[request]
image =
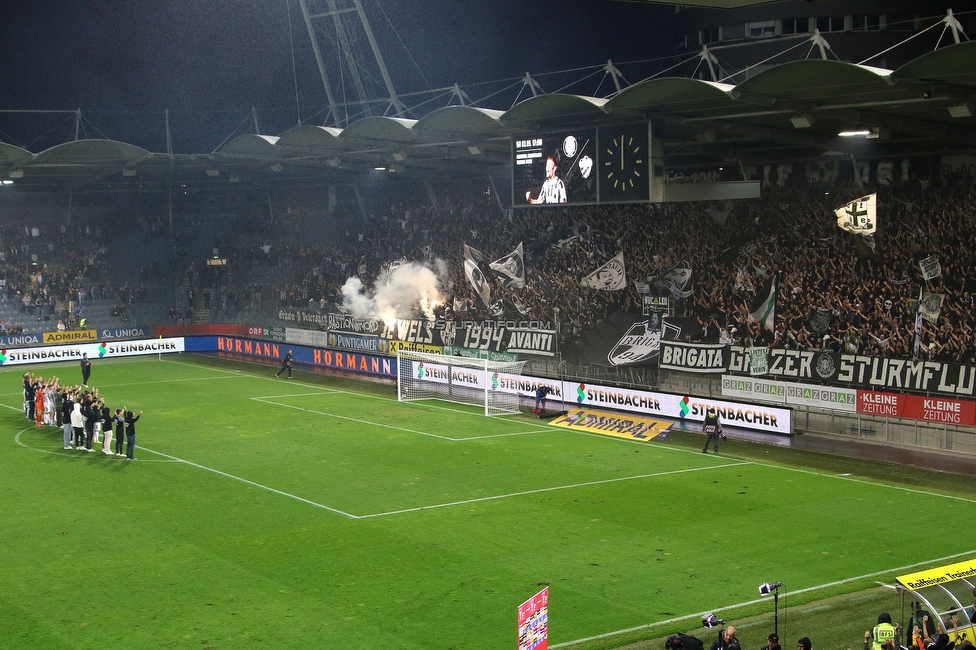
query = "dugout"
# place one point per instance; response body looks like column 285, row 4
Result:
column 942, row 591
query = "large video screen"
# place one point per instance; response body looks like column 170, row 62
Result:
column 554, row 168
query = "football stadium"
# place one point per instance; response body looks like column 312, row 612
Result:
column 686, row 361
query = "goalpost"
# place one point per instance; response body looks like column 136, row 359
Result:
column 463, row 380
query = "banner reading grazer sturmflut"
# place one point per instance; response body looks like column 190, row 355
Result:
column 533, row 622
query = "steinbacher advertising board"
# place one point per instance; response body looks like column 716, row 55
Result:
column 663, row 405
column 107, row 350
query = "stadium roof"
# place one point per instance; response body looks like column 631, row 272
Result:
column 786, row 113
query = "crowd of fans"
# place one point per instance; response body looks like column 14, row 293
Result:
column 835, row 292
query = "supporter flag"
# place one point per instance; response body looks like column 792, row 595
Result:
column 497, row 308
column 474, row 275
column 677, row 280
column 931, row 268
column 763, row 308
column 860, row 216
column 720, row 214
column 916, row 348
column 819, row 320
column 511, row 268
column 519, row 306
column 612, row 276
column 931, row 306
column 362, row 269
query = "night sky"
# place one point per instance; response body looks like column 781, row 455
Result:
column 124, row 62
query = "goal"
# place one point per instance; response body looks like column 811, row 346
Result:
column 463, row 380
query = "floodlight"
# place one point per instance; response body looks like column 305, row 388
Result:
column 802, row 121
column 962, row 110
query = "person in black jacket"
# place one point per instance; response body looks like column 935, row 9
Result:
column 89, row 410
column 85, row 369
column 712, row 428
column 285, row 365
column 130, row 434
column 119, row 421
column 106, row 419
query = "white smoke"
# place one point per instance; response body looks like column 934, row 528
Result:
column 408, row 289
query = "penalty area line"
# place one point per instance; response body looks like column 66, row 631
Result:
column 266, row 400
column 547, row 489
column 253, row 483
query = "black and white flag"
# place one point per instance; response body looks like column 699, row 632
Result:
column 511, row 268
column 676, row 280
column 612, row 276
column 763, row 308
column 860, row 216
column 475, row 276
column 931, row 306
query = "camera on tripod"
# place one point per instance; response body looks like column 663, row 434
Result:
column 710, row 620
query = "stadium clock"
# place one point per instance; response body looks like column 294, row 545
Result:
column 624, row 164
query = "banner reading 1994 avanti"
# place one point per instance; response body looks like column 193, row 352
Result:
column 52, row 353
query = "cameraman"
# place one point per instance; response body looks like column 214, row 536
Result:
column 726, row 640
column 712, row 428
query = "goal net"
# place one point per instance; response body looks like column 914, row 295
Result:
column 479, row 382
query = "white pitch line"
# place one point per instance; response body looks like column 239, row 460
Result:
column 549, row 489
column 266, row 400
column 894, row 570
column 252, row 483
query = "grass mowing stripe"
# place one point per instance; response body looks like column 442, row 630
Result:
column 550, row 489
column 828, row 585
column 252, row 483
column 266, row 400
column 848, row 477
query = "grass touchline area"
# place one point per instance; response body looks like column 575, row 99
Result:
column 353, row 520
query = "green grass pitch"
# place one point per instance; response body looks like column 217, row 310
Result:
column 322, row 513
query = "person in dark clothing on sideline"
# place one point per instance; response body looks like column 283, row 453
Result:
column 119, row 421
column 712, row 428
column 130, row 434
column 285, row 365
column 85, row 369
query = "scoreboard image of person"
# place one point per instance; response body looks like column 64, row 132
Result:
column 553, row 168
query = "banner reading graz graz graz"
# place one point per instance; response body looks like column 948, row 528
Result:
column 859, row 371
column 517, row 337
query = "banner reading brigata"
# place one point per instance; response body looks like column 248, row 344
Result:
column 819, row 366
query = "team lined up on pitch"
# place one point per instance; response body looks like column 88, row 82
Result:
column 82, row 415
